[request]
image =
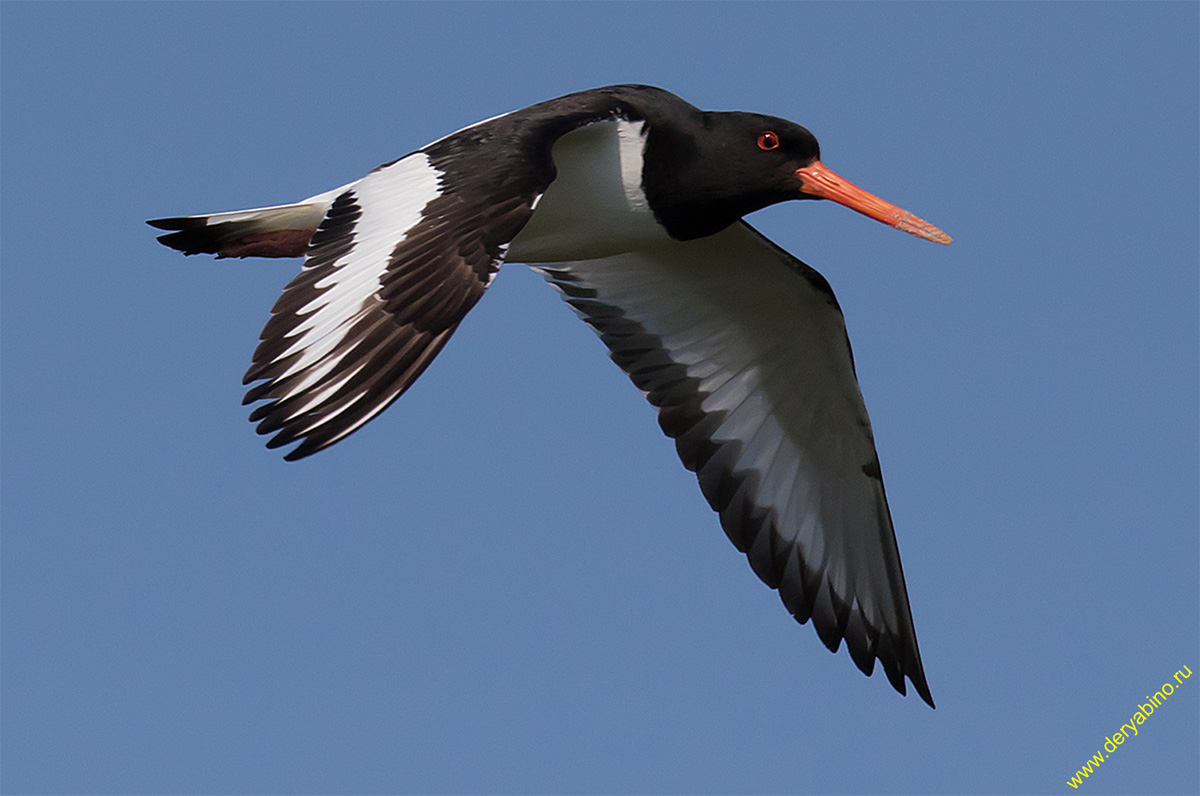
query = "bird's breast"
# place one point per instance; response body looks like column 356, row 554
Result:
column 595, row 207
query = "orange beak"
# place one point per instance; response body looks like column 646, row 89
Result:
column 818, row 181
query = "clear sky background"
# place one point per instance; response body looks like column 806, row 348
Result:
column 508, row 583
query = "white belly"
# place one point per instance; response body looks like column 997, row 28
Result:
column 595, row 207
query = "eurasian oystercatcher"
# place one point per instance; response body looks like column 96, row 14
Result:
column 629, row 201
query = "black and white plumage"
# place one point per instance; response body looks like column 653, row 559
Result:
column 629, row 201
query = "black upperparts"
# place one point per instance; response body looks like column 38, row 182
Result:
column 702, row 171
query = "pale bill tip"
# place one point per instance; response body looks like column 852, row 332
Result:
column 922, row 229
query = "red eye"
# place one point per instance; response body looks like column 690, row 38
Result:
column 768, row 140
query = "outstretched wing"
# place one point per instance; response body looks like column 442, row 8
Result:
column 743, row 349
column 398, row 260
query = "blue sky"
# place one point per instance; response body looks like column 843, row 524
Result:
column 507, row 582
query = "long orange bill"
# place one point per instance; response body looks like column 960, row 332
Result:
column 818, row 181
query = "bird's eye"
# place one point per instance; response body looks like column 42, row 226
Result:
column 768, row 140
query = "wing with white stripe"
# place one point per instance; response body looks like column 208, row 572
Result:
column 396, row 263
column 743, row 349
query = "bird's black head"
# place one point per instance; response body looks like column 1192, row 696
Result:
column 705, row 170
column 702, row 176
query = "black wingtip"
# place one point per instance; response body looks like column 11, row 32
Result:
column 922, row 687
column 307, row 447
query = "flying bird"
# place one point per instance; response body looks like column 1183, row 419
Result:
column 629, row 201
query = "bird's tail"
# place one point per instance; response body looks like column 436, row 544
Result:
column 278, row 231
